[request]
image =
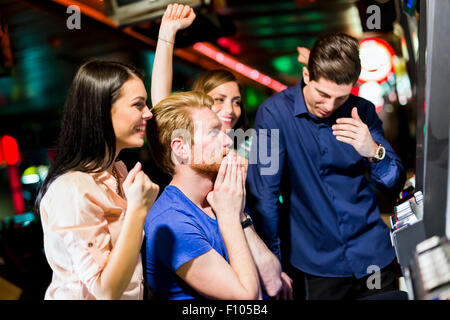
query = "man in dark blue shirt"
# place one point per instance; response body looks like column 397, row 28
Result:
column 327, row 142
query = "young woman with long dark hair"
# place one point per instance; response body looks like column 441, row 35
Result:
column 92, row 210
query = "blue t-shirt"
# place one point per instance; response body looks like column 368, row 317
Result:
column 177, row 231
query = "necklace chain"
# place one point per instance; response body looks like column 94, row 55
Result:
column 116, row 176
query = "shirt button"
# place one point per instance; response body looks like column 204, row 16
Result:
column 90, row 244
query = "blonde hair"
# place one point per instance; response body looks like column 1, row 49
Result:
column 172, row 116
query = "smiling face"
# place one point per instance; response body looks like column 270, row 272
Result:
column 129, row 114
column 227, row 103
column 211, row 143
column 323, row 97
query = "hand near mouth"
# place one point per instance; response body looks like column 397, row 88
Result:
column 228, row 196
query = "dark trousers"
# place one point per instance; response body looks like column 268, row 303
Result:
column 311, row 287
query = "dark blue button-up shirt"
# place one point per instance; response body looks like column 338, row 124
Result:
column 334, row 223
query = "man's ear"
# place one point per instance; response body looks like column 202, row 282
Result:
column 305, row 75
column 180, row 150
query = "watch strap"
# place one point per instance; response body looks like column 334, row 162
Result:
column 247, row 222
column 377, row 158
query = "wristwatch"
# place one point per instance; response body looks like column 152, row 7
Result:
column 380, row 153
column 247, row 222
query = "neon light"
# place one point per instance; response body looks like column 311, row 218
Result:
column 31, row 175
column 10, row 150
column 229, row 62
column 16, row 190
column 232, row 46
column 31, row 179
column 376, row 60
column 1, row 155
column 373, row 92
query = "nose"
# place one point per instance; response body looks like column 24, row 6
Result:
column 227, row 142
column 227, row 107
column 147, row 114
column 329, row 105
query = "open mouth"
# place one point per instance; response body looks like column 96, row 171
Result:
column 140, row 129
column 226, row 120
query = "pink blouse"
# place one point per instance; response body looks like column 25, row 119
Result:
column 82, row 217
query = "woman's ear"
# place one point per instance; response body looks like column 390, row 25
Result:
column 305, row 75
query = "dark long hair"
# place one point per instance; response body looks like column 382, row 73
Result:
column 87, row 141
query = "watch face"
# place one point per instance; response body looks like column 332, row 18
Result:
column 380, row 152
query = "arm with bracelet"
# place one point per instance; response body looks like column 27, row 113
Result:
column 176, row 17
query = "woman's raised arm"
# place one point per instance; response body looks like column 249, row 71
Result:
column 176, row 17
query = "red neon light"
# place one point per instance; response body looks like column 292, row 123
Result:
column 17, row 195
column 1, row 155
column 355, row 91
column 232, row 46
column 382, row 42
column 390, row 51
column 10, row 150
column 9, row 153
column 224, row 59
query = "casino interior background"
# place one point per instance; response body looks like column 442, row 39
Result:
column 257, row 40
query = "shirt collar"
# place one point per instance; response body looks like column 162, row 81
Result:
column 300, row 106
column 299, row 101
column 107, row 177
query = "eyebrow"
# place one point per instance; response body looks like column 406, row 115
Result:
column 139, row 98
column 222, row 95
column 329, row 95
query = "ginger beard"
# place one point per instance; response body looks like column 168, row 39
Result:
column 209, row 170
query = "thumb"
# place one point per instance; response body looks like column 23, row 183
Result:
column 133, row 172
column 355, row 114
column 210, row 197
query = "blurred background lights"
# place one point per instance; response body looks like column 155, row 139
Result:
column 373, row 92
column 33, row 174
column 376, row 60
column 30, row 176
